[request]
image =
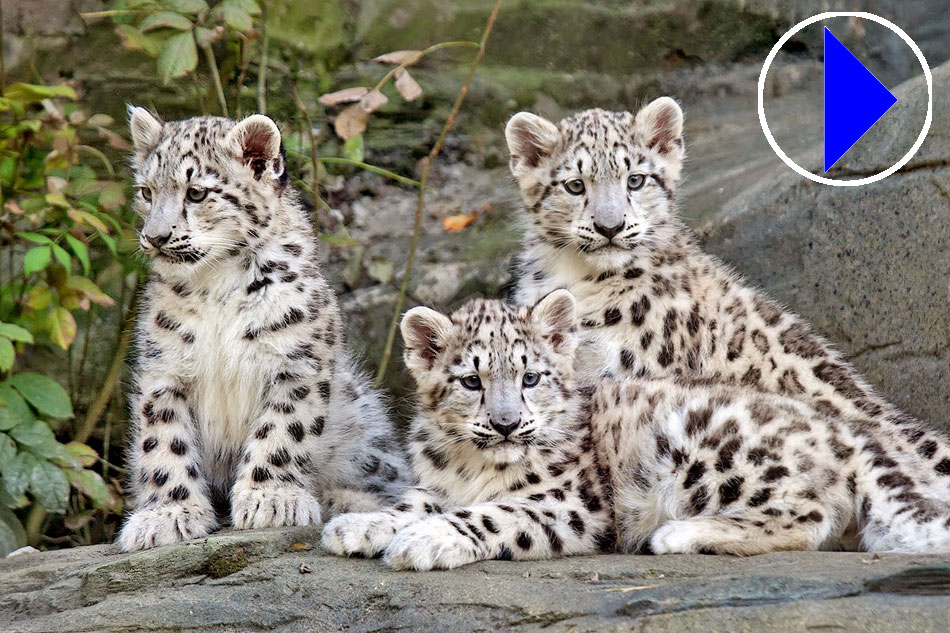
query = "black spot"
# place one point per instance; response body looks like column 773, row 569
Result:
column 760, row 497
column 324, row 389
column 533, row 478
column 557, row 546
column 280, row 459
column 576, row 523
column 149, row 444
column 296, row 431
column 179, row 493
column 612, row 316
column 524, row 541
column 300, row 392
column 812, row 517
column 263, row 431
column 638, row 311
column 504, row 553
column 730, row 490
column 160, row 478
column 489, row 524
column 316, row 427
column 178, row 446
column 774, row 473
column 699, row 499
column 627, row 358
column 697, row 420
column 257, row 284
column 943, row 467
column 694, row 474
column 261, row 474
column 927, row 449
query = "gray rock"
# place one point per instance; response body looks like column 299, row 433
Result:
column 869, row 267
column 278, row 580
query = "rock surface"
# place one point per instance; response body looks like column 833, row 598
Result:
column 277, row 580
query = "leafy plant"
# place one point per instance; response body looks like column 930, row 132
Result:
column 57, row 216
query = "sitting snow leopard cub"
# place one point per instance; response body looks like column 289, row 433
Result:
column 243, row 393
column 500, row 446
column 515, row 462
column 600, row 220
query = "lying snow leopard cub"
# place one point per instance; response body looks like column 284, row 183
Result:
column 243, row 391
column 516, row 463
column 600, row 220
column 500, row 445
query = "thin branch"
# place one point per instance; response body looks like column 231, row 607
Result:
column 314, row 150
column 262, row 71
column 421, row 200
column 216, row 77
column 435, row 47
column 245, row 62
column 337, row 160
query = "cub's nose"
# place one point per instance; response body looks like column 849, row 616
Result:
column 505, row 426
column 608, row 231
column 158, row 241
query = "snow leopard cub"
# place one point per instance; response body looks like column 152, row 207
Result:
column 243, row 393
column 515, row 462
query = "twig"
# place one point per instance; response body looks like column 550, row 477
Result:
column 421, row 200
column 314, row 150
column 216, row 77
column 98, row 406
column 245, row 62
column 262, row 71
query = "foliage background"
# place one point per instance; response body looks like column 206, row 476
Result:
column 69, row 271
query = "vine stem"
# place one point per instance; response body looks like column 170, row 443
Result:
column 218, row 87
column 421, row 200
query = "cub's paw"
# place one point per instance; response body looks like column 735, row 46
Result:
column 429, row 544
column 678, row 537
column 362, row 534
column 273, row 507
column 151, row 527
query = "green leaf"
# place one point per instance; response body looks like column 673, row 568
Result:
column 80, row 250
column 353, row 148
column 7, row 449
column 86, row 455
column 7, row 355
column 186, row 6
column 17, row 473
column 45, row 394
column 63, row 258
column 165, row 20
column 36, row 238
column 110, row 243
column 15, row 403
column 134, row 40
column 179, row 56
column 39, row 439
column 62, row 326
column 50, row 487
column 91, row 484
column 8, row 419
column 32, row 93
column 36, row 259
column 250, row 6
column 12, row 534
column 234, row 16
column 15, row 333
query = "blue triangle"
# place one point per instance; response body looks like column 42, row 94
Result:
column 854, row 100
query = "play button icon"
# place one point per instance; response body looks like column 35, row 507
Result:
column 854, row 99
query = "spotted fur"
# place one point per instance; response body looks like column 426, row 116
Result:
column 243, row 394
column 600, row 220
column 505, row 465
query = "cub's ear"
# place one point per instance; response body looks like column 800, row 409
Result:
column 424, row 333
column 256, row 142
column 146, row 128
column 660, row 125
column 530, row 139
column 557, row 315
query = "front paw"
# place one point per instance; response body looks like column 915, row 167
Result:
column 273, row 507
column 359, row 534
column 429, row 544
column 151, row 527
column 676, row 537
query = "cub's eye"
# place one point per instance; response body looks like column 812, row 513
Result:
column 472, row 381
column 636, row 181
column 146, row 193
column 575, row 187
column 530, row 379
column 196, row 194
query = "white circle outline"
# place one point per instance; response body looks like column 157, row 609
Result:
column 860, row 181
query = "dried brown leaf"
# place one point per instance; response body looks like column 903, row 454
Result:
column 455, row 223
column 404, row 58
column 407, row 86
column 373, row 101
column 351, row 121
column 347, row 95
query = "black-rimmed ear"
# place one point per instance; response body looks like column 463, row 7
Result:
column 556, row 313
column 424, row 333
column 145, row 127
column 530, row 139
column 256, row 141
column 660, row 125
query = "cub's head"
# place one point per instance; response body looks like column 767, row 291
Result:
column 494, row 377
column 206, row 186
column 600, row 183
